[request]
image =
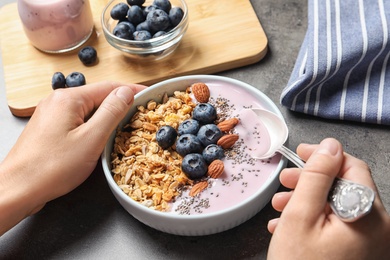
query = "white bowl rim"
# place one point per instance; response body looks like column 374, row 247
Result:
column 205, row 216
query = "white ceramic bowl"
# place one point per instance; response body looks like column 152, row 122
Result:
column 207, row 223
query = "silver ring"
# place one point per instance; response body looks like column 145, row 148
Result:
column 350, row 201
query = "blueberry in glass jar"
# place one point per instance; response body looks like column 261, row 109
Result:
column 58, row 80
column 209, row 134
column 142, row 35
column 119, row 11
column 149, row 8
column 142, row 26
column 166, row 136
column 213, row 152
column 135, row 15
column 194, row 166
column 164, row 5
column 176, row 15
column 158, row 34
column 123, row 31
column 136, row 2
column 205, row 113
column 188, row 126
column 158, row 20
column 131, row 26
column 188, row 143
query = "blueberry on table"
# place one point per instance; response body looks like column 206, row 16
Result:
column 176, row 15
column 213, row 152
column 204, row 113
column 166, row 136
column 188, row 143
column 163, row 5
column 209, row 134
column 135, row 15
column 87, row 55
column 194, row 166
column 136, row 2
column 188, row 126
column 58, row 80
column 75, row 79
column 158, row 20
column 119, row 11
column 123, row 31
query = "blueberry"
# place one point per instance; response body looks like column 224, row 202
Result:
column 87, row 55
column 123, row 31
column 158, row 20
column 194, row 166
column 135, row 15
column 163, row 5
column 75, row 79
column 142, row 35
column 166, row 136
column 176, row 15
column 131, row 26
column 142, row 26
column 149, row 8
column 159, row 33
column 212, row 152
column 189, row 126
column 209, row 134
column 205, row 113
column 119, row 11
column 188, row 143
column 58, row 80
column 136, row 2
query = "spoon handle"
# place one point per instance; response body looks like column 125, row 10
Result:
column 291, row 156
column 348, row 200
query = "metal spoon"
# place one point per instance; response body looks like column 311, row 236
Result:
column 348, row 200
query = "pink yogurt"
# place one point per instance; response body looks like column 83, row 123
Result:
column 56, row 25
column 243, row 175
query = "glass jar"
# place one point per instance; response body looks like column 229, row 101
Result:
column 56, row 26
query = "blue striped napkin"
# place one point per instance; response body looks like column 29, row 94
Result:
column 343, row 69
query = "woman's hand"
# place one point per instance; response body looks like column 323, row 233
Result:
column 60, row 146
column 307, row 228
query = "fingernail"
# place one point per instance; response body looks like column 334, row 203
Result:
column 126, row 94
column 328, row 146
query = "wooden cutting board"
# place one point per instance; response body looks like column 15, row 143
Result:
column 222, row 35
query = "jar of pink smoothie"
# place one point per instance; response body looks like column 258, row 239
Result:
column 56, row 26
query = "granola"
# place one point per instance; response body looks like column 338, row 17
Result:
column 147, row 173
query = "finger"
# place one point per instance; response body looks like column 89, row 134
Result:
column 110, row 113
column 272, row 225
column 97, row 92
column 280, row 200
column 357, row 171
column 289, row 177
column 306, row 150
column 310, row 195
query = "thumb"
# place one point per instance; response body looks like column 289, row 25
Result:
column 111, row 111
column 317, row 176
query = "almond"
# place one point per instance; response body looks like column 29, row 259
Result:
column 215, row 169
column 201, row 92
column 228, row 124
column 198, row 188
column 227, row 141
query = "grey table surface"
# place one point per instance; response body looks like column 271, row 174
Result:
column 88, row 223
